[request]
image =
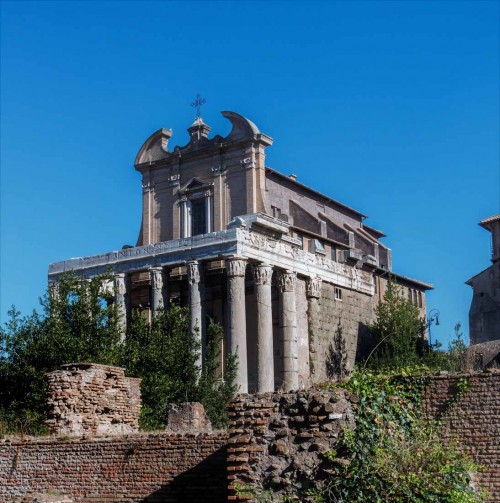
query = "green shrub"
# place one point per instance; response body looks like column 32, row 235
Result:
column 394, row 455
column 78, row 323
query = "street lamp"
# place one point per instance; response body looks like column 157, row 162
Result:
column 433, row 317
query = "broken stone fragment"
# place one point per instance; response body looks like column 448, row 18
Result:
column 279, row 447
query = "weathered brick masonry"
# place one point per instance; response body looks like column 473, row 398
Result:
column 132, row 469
column 92, row 399
column 276, row 439
column 471, row 417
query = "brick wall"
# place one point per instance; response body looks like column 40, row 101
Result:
column 132, row 469
column 92, row 399
column 472, row 418
column 276, row 440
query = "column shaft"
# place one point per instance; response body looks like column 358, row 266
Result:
column 237, row 336
column 290, row 348
column 265, row 354
column 313, row 292
column 121, row 302
column 159, row 289
column 196, row 324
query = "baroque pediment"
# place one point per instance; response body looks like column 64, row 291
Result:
column 155, row 148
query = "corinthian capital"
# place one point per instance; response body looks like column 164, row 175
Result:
column 119, row 284
column 236, row 266
column 287, row 281
column 193, row 272
column 156, row 274
column 262, row 274
column 313, row 287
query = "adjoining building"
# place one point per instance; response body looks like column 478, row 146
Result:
column 282, row 266
column 484, row 313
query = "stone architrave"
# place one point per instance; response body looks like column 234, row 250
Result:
column 121, row 301
column 237, row 337
column 287, row 282
column 159, row 289
column 195, row 291
column 262, row 274
column 313, row 293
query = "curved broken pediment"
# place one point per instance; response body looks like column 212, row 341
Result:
column 155, row 147
column 242, row 127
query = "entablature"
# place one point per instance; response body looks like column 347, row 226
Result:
column 257, row 237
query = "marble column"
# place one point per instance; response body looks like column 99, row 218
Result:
column 120, row 285
column 195, row 292
column 159, row 289
column 288, row 316
column 236, row 323
column 262, row 274
column 313, row 293
column 54, row 291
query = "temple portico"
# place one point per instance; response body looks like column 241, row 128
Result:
column 249, row 255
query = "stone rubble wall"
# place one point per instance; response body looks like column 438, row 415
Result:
column 277, row 440
column 471, row 418
column 139, row 468
column 93, row 400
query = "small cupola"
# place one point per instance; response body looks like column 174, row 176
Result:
column 198, row 130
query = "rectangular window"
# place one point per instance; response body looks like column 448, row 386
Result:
column 333, row 254
column 338, row 294
column 198, row 217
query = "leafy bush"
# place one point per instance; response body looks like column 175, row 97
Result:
column 164, row 355
column 75, row 325
column 395, row 456
column 78, row 323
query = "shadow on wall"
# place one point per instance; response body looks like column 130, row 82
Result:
column 206, row 482
column 365, row 344
column 338, row 359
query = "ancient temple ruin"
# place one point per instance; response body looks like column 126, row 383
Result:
column 282, row 266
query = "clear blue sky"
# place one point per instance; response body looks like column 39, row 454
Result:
column 389, row 107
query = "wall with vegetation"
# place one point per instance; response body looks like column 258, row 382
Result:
column 468, row 407
column 286, row 442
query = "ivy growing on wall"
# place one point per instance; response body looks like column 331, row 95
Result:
column 393, row 455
